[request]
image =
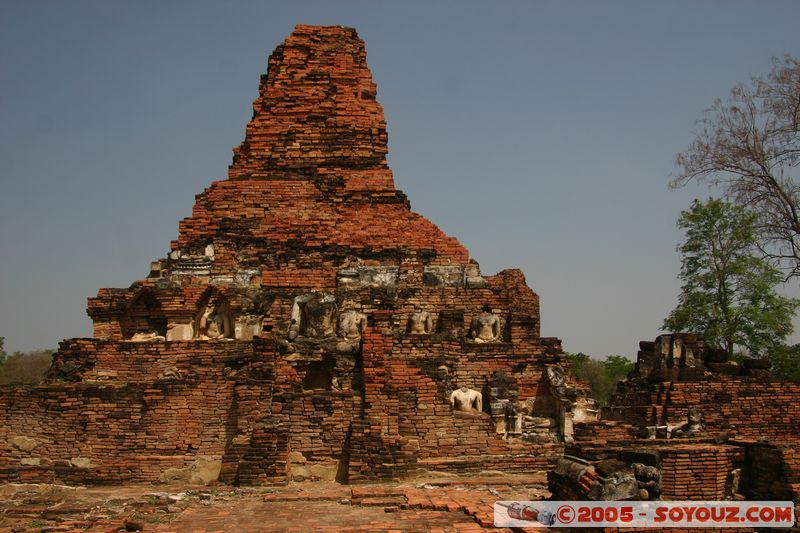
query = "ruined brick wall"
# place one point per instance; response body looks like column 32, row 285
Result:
column 750, row 408
column 773, row 473
column 131, row 432
column 688, row 470
column 415, row 402
column 317, row 421
column 133, row 410
column 407, row 386
column 730, row 403
column 677, row 372
column 602, row 431
column 697, row 472
column 104, row 360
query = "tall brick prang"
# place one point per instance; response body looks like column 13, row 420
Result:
column 317, row 115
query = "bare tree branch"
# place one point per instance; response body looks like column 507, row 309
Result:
column 749, row 145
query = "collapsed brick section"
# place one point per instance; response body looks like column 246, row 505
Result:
column 306, row 324
column 699, row 470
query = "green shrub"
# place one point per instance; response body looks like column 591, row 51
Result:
column 26, row 368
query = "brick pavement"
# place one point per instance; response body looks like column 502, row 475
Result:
column 454, row 504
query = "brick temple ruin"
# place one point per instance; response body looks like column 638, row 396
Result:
column 307, row 325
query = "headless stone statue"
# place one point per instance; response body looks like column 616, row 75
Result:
column 212, row 324
column 216, row 326
column 420, row 323
column 485, row 327
column 694, row 427
column 512, row 420
column 555, row 375
column 732, row 483
column 466, row 400
column 352, row 325
column 649, row 479
column 313, row 316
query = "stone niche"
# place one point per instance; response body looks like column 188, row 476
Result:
column 248, row 327
column 144, row 319
column 540, row 418
column 180, row 331
column 451, row 323
column 506, row 410
column 319, row 375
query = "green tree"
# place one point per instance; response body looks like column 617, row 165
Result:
column 618, row 366
column 25, row 368
column 2, row 350
column 728, row 295
column 602, row 375
column 786, row 362
column 577, row 359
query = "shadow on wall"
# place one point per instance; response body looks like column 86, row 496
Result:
column 144, row 316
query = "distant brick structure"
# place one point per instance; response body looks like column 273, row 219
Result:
column 688, row 423
column 678, row 373
column 306, row 324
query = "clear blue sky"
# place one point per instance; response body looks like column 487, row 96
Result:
column 541, row 134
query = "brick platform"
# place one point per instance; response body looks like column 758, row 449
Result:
column 454, row 504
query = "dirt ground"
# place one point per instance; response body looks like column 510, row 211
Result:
column 452, row 504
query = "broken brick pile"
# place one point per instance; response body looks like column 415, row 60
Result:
column 231, row 360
